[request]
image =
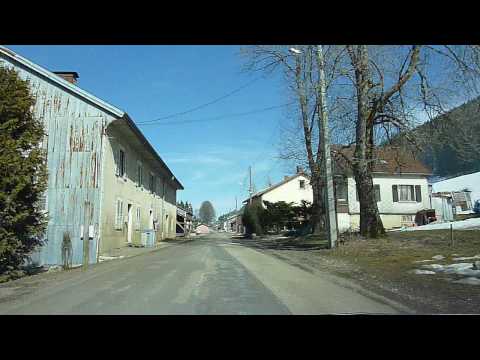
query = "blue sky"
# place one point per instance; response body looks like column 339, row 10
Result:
column 210, row 158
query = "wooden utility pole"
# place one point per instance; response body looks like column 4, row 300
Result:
column 324, row 133
column 250, row 186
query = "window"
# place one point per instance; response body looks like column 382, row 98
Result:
column 152, row 183
column 121, row 166
column 341, row 191
column 406, row 193
column 407, row 220
column 140, row 173
column 138, row 217
column 119, row 215
column 302, row 184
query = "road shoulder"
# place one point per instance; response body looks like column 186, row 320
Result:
column 309, row 291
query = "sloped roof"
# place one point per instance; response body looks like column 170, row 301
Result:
column 116, row 112
column 284, row 181
column 61, row 82
column 388, row 160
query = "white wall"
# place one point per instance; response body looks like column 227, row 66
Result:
column 386, row 205
column 291, row 192
column 470, row 181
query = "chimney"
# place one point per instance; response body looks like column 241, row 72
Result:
column 70, row 76
column 299, row 170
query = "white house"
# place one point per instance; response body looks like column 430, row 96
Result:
column 400, row 185
column 291, row 189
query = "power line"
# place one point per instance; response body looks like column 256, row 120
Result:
column 220, row 117
column 203, row 105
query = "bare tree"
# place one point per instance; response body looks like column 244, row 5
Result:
column 300, row 70
column 374, row 94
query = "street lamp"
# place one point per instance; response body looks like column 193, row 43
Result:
column 324, row 133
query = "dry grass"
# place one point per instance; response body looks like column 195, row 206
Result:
column 389, row 260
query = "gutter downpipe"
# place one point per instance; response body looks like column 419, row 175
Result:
column 102, row 157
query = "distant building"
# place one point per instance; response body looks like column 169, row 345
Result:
column 293, row 189
column 202, row 229
column 234, row 223
column 102, row 171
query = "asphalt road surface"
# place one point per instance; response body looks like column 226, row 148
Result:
column 209, row 275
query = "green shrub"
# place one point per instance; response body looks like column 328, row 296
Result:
column 23, row 177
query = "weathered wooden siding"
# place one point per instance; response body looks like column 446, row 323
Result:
column 74, row 128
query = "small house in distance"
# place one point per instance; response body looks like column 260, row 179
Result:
column 292, row 189
column 202, row 229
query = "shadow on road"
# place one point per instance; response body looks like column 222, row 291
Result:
column 290, row 243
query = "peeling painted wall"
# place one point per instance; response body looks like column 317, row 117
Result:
column 73, row 143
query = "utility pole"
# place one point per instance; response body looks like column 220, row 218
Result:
column 324, row 131
column 236, row 203
column 250, row 186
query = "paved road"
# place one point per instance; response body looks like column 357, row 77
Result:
column 209, row 275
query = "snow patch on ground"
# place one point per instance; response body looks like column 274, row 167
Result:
column 469, row 281
column 108, row 258
column 456, row 225
column 465, row 269
column 423, row 272
column 466, row 258
column 438, row 257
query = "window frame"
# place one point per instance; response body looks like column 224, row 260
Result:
column 411, row 193
column 300, row 182
column 152, row 182
column 118, row 225
column 121, row 165
column 139, row 174
column 138, row 217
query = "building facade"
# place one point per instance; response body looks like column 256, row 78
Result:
column 103, row 175
column 400, row 185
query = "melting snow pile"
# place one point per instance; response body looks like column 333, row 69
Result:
column 466, row 269
column 107, row 258
column 457, row 225
column 470, row 270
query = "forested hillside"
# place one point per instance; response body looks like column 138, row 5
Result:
column 451, row 142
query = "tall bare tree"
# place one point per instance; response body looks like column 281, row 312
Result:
column 299, row 67
column 374, row 94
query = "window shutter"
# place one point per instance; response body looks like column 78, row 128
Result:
column 418, row 193
column 412, row 193
column 116, row 156
column 395, row 193
column 125, row 159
